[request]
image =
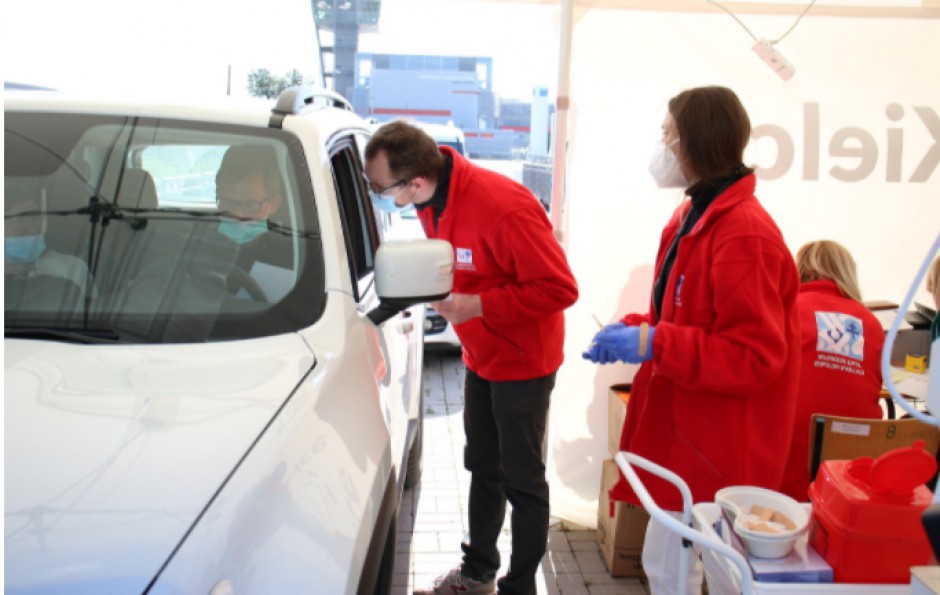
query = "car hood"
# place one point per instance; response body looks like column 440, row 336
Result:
column 112, row 452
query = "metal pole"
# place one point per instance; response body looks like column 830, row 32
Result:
column 562, row 103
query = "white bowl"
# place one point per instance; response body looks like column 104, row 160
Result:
column 737, row 502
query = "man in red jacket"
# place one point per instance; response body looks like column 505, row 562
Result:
column 512, row 284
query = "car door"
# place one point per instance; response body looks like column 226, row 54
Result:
column 394, row 227
column 393, row 344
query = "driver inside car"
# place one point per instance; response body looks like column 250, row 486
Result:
column 249, row 193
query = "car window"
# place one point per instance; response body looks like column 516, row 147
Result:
column 383, row 220
column 359, row 222
column 140, row 246
column 184, row 174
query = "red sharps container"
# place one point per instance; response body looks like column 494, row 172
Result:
column 866, row 519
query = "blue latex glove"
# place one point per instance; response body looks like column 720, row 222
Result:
column 598, row 353
column 621, row 343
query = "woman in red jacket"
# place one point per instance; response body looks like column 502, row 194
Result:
column 714, row 397
column 841, row 343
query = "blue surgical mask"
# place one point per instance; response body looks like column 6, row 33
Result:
column 23, row 249
column 242, row 232
column 386, row 202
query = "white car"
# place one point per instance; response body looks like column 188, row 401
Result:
column 176, row 422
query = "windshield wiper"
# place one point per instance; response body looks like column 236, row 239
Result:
column 286, row 230
column 100, row 210
column 104, row 211
column 72, row 335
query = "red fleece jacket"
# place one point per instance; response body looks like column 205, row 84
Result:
column 840, row 372
column 506, row 253
column 715, row 404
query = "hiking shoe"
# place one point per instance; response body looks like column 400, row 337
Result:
column 455, row 583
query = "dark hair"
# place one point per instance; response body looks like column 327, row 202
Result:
column 713, row 130
column 411, row 152
column 241, row 161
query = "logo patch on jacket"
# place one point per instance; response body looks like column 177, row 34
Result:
column 678, row 298
column 840, row 334
column 465, row 259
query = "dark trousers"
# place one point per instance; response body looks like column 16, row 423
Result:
column 505, row 427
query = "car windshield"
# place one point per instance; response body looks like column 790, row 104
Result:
column 129, row 229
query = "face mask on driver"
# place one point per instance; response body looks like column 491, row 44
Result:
column 665, row 168
column 242, row 232
column 386, row 202
column 23, row 249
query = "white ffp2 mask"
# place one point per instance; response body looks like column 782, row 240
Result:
column 665, row 168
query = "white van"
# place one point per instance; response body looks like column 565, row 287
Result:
column 443, row 134
column 447, row 135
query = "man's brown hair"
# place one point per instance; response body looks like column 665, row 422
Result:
column 411, row 152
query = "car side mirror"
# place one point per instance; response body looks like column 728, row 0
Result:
column 409, row 272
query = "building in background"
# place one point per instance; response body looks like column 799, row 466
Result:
column 435, row 89
column 513, row 120
column 337, row 24
column 453, row 90
column 541, row 114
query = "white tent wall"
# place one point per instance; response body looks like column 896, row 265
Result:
column 859, row 119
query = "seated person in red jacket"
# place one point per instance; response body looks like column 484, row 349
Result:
column 841, row 343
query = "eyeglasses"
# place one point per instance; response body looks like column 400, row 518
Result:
column 250, row 207
column 378, row 190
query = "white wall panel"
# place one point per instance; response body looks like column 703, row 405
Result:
column 870, row 82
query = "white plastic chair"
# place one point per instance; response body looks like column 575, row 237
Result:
column 626, row 461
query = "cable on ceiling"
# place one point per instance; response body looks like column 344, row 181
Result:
column 754, row 37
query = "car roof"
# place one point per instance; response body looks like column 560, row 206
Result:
column 248, row 111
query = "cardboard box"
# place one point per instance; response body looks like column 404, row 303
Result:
column 617, row 398
column 925, row 580
column 621, row 536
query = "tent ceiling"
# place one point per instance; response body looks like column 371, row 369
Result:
column 925, row 9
